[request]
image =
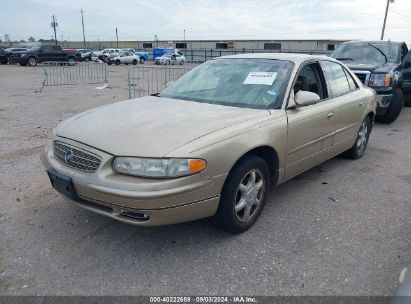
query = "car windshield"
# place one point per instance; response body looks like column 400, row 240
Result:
column 34, row 48
column 250, row 83
column 367, row 53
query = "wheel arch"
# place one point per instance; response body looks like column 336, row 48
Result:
column 371, row 115
column 269, row 155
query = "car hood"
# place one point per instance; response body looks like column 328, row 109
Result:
column 152, row 126
column 373, row 68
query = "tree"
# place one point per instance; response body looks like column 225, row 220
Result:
column 31, row 39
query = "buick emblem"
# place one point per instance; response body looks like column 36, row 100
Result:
column 69, row 156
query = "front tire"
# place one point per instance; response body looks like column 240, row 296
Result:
column 117, row 62
column 394, row 108
column 243, row 196
column 358, row 149
column 134, row 61
column 32, row 61
column 142, row 60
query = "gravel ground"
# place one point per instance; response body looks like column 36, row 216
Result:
column 342, row 228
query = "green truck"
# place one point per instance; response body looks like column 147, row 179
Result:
column 384, row 66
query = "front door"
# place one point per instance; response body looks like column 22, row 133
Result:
column 310, row 128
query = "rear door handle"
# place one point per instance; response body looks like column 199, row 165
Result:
column 330, row 115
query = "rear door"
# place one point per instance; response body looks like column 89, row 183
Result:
column 58, row 54
column 350, row 103
column 406, row 74
column 310, row 128
column 45, row 53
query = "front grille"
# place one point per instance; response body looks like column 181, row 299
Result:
column 363, row 77
column 76, row 158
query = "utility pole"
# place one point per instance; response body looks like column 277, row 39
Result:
column 117, row 37
column 82, row 23
column 385, row 18
column 54, row 25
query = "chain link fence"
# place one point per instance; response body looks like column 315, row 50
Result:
column 59, row 73
column 148, row 80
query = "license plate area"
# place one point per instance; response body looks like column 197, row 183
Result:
column 62, row 184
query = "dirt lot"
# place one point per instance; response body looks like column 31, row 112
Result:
column 342, row 228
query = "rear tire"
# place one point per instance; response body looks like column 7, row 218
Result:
column 71, row 61
column 134, row 61
column 358, row 149
column 394, row 108
column 142, row 60
column 243, row 196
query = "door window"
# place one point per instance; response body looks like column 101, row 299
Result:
column 336, row 79
column 309, row 79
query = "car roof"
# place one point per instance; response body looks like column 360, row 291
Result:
column 294, row 57
column 372, row 41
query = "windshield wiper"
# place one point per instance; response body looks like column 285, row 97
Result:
column 385, row 56
column 345, row 58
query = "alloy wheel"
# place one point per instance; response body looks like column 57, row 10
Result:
column 362, row 137
column 249, row 195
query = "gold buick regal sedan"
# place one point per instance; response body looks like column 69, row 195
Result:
column 213, row 143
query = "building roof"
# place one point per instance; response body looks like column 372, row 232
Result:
column 279, row 56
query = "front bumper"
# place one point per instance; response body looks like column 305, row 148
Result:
column 383, row 103
column 139, row 201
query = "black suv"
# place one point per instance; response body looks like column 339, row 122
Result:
column 43, row 53
column 383, row 66
column 3, row 56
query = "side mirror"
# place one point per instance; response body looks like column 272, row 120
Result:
column 306, row 98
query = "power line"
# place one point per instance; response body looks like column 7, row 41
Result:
column 401, row 14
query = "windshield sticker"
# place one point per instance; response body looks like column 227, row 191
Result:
column 272, row 93
column 265, row 78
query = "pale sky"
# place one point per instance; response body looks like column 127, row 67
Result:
column 207, row 19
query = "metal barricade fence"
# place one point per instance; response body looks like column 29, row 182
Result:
column 149, row 80
column 59, row 73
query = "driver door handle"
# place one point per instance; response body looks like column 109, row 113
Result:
column 361, row 104
column 330, row 115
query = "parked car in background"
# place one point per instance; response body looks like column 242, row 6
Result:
column 168, row 59
column 84, row 54
column 142, row 54
column 381, row 66
column 38, row 54
column 109, row 53
column 125, row 57
column 3, row 56
column 260, row 119
column 11, row 51
column 158, row 52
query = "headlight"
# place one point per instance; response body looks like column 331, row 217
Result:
column 380, row 80
column 158, row 167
